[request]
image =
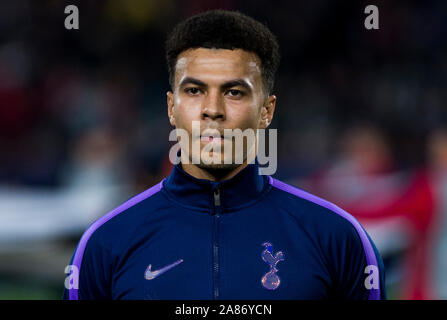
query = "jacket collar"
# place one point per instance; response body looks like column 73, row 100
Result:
column 242, row 190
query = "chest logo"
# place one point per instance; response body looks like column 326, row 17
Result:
column 149, row 274
column 271, row 280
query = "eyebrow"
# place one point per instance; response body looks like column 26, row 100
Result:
column 226, row 85
column 236, row 83
column 190, row 80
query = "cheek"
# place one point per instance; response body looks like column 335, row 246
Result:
column 245, row 117
column 186, row 111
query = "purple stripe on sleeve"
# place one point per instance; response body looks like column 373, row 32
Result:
column 77, row 260
column 369, row 251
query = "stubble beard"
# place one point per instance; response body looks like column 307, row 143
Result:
column 218, row 166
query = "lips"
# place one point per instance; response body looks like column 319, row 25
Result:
column 211, row 135
column 211, row 139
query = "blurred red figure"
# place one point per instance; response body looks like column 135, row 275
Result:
column 397, row 208
column 437, row 160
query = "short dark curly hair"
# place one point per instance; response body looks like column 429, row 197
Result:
column 222, row 29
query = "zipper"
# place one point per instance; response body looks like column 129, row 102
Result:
column 216, row 242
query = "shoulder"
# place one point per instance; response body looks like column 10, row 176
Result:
column 341, row 236
column 120, row 223
column 321, row 218
column 309, row 207
column 111, row 231
column 129, row 212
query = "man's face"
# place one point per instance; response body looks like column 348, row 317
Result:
column 219, row 89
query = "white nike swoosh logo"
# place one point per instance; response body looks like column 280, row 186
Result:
column 149, row 274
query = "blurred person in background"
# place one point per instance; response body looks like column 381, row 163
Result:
column 437, row 160
column 396, row 206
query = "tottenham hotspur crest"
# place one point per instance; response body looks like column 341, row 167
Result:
column 271, row 280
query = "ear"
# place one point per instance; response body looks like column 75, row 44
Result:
column 170, row 103
column 267, row 112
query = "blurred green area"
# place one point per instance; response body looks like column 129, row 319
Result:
column 28, row 289
column 36, row 273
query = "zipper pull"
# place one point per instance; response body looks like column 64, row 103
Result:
column 217, row 196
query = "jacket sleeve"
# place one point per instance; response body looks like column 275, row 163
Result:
column 90, row 271
column 355, row 278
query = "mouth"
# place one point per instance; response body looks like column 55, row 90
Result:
column 211, row 139
column 211, row 135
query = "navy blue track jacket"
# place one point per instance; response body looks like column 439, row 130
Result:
column 249, row 237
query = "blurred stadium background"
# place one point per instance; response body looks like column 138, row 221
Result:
column 361, row 120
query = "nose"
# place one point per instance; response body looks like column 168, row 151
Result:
column 213, row 107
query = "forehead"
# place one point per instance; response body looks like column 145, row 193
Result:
column 218, row 65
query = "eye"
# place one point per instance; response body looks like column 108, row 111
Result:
column 192, row 91
column 235, row 93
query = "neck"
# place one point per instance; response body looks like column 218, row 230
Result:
column 212, row 174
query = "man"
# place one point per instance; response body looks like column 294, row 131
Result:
column 218, row 229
